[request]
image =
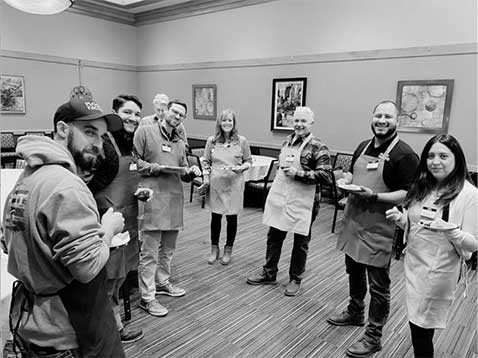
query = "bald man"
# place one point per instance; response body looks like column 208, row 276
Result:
column 293, row 201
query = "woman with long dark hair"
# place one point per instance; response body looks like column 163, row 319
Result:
column 226, row 156
column 441, row 224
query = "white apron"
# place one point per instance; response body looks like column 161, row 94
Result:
column 226, row 188
column 367, row 235
column 290, row 202
column 432, row 268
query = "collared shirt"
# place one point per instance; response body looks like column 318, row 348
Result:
column 399, row 170
column 314, row 159
column 153, row 119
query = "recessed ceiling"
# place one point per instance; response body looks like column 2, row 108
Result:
column 142, row 12
column 124, row 2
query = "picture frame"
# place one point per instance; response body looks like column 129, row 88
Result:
column 205, row 101
column 12, row 91
column 424, row 105
column 287, row 94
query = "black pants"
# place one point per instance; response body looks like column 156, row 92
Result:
column 379, row 286
column 298, row 260
column 231, row 229
column 422, row 341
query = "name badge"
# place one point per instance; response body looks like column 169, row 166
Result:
column 428, row 212
column 133, row 167
column 372, row 165
column 289, row 159
column 166, row 148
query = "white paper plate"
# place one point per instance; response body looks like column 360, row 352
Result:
column 349, row 187
column 120, row 239
column 436, row 226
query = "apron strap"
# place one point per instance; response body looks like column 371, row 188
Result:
column 389, row 148
column 112, row 140
column 304, row 143
column 463, row 269
column 446, row 212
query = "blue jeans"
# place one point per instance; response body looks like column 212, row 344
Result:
column 379, row 288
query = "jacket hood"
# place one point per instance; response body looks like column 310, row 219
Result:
column 41, row 150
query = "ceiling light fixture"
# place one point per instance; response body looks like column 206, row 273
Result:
column 43, row 7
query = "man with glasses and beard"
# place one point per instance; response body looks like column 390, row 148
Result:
column 162, row 164
column 383, row 167
column 57, row 245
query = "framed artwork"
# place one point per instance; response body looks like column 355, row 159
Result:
column 205, row 101
column 287, row 93
column 424, row 105
column 12, row 89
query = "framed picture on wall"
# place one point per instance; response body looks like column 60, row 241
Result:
column 204, row 101
column 287, row 93
column 424, row 105
column 12, row 89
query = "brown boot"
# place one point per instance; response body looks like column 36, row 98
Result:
column 226, row 258
column 214, row 254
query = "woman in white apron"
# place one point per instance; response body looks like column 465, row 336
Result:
column 441, row 222
column 226, row 156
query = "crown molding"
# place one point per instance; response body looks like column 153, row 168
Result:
column 191, row 8
column 102, row 11
column 366, row 55
column 30, row 56
column 123, row 14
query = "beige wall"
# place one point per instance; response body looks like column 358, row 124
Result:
column 242, row 50
column 342, row 94
column 67, row 35
column 349, row 65
column 45, row 50
column 301, row 27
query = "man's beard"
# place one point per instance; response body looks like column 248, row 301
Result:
column 389, row 133
column 88, row 159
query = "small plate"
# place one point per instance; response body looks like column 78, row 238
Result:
column 436, row 226
column 120, row 239
column 350, row 187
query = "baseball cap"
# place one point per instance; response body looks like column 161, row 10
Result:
column 84, row 109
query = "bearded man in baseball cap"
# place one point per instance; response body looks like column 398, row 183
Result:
column 56, row 243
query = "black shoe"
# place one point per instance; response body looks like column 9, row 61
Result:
column 363, row 349
column 261, row 279
column 346, row 319
column 292, row 288
column 130, row 336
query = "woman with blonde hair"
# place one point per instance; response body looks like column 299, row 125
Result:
column 226, row 156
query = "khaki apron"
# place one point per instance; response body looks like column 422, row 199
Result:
column 165, row 210
column 119, row 195
column 432, row 268
column 226, row 188
column 367, row 235
column 290, row 202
